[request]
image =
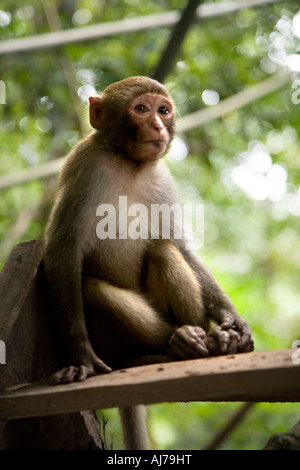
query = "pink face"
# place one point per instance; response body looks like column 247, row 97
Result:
column 150, row 114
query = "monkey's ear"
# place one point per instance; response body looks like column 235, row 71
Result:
column 95, row 111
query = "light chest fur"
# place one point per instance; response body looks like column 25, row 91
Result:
column 122, row 230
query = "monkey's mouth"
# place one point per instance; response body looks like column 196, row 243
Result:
column 157, row 143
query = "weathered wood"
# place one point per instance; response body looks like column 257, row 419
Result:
column 45, row 413
column 263, row 376
column 74, row 431
column 31, row 354
column 31, row 350
column 285, row 441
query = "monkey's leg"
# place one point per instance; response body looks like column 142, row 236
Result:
column 134, row 424
column 122, row 322
column 172, row 284
column 232, row 333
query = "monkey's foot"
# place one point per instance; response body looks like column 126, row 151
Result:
column 188, row 342
column 222, row 340
column 78, row 374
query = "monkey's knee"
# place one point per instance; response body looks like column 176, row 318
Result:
column 166, row 261
column 92, row 289
column 172, row 283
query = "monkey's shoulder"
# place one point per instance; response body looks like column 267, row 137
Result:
column 84, row 163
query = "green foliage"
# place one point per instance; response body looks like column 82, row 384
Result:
column 251, row 238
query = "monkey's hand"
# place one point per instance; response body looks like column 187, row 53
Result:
column 188, row 342
column 89, row 364
column 230, row 337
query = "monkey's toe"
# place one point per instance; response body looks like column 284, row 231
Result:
column 188, row 342
column 71, row 374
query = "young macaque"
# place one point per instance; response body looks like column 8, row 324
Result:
column 114, row 298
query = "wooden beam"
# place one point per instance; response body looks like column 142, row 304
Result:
column 259, row 377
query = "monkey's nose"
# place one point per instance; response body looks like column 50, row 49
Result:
column 157, row 124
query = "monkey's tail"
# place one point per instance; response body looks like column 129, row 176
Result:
column 134, row 424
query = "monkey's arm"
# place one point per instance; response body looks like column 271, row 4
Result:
column 232, row 333
column 67, row 233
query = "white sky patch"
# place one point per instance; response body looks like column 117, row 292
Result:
column 296, row 25
column 281, row 44
column 82, row 16
column 85, row 91
column 178, row 150
column 293, row 62
column 258, row 176
column 292, row 202
column 210, row 97
column 5, row 18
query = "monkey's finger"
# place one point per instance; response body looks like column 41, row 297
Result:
column 70, row 374
column 57, row 377
column 212, row 345
column 245, row 336
column 83, row 373
column 192, row 332
column 201, row 348
column 100, row 366
column 188, row 344
column 246, row 342
column 233, row 344
column 181, row 349
column 222, row 337
column 194, row 337
column 199, row 344
column 199, row 332
column 184, row 353
column 227, row 322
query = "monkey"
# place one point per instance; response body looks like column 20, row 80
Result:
column 114, row 298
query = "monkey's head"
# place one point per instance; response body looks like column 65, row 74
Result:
column 135, row 117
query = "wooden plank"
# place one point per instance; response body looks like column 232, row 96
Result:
column 31, row 350
column 16, row 279
column 259, row 377
column 32, row 353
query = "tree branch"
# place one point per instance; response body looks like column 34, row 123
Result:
column 177, row 37
column 126, row 26
column 236, row 101
column 184, row 124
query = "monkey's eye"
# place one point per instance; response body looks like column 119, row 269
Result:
column 163, row 110
column 141, row 108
